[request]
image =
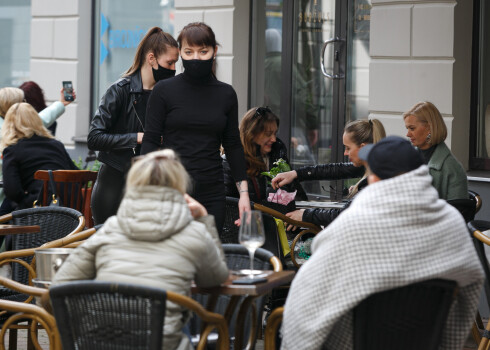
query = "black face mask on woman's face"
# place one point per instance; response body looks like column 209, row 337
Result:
column 198, row 69
column 162, row 73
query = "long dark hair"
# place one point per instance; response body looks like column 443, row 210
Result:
column 156, row 41
column 253, row 124
column 34, row 95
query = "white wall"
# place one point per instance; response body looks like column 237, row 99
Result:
column 60, row 50
column 417, row 57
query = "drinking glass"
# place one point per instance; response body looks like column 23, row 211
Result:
column 251, row 235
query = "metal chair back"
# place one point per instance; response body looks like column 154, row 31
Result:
column 102, row 315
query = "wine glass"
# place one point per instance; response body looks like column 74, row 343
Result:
column 251, row 235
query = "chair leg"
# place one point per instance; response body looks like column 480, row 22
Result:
column 483, row 345
column 12, row 339
column 30, row 344
column 479, row 321
column 475, row 332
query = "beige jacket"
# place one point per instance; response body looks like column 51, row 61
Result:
column 153, row 241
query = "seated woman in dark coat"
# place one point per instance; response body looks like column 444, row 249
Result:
column 357, row 134
column 262, row 148
column 27, row 146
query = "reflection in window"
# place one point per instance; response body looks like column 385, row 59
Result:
column 122, row 24
column 15, row 26
column 358, row 59
column 483, row 110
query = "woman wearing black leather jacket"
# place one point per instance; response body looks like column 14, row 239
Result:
column 357, row 134
column 262, row 148
column 116, row 130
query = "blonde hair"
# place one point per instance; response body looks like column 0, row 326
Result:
column 9, row 96
column 22, row 122
column 364, row 131
column 253, row 123
column 159, row 168
column 427, row 113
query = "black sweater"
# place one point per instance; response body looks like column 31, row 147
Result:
column 22, row 160
column 195, row 118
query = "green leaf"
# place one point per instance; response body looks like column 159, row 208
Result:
column 281, row 166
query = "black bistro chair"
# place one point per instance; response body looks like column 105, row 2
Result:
column 100, row 315
column 468, row 207
column 476, row 228
column 405, row 318
column 237, row 258
column 104, row 315
column 229, row 233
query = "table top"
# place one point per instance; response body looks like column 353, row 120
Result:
column 319, row 204
column 275, row 279
column 16, row 229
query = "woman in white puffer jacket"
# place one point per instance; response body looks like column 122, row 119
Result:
column 160, row 237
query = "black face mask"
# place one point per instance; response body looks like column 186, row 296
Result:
column 162, row 73
column 198, row 69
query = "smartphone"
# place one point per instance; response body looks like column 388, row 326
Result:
column 68, row 90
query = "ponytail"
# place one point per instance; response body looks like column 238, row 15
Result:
column 156, row 41
column 364, row 131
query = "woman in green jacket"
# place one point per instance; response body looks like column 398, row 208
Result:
column 427, row 131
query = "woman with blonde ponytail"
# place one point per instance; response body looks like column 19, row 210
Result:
column 357, row 134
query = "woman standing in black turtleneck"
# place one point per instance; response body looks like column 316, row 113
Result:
column 194, row 114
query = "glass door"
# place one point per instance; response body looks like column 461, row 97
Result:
column 310, row 64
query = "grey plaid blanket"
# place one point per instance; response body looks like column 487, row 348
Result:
column 395, row 232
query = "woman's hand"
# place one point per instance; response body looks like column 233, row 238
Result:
column 243, row 206
column 196, row 208
column 65, row 102
column 282, row 179
column 139, row 138
column 295, row 215
column 244, row 202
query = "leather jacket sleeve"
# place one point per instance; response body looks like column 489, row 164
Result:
column 323, row 217
column 102, row 136
column 330, row 171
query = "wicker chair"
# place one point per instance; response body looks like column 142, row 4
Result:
column 230, row 230
column 69, row 241
column 55, row 223
column 73, row 188
column 409, row 317
column 101, row 315
column 468, row 207
column 476, row 229
column 35, row 315
column 237, row 258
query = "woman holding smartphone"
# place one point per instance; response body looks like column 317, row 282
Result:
column 116, row 130
column 194, row 114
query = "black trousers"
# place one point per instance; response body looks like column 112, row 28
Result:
column 107, row 193
column 212, row 196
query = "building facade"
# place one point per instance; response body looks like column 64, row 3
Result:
column 317, row 63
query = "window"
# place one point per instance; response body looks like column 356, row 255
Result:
column 15, row 26
column 314, row 103
column 119, row 28
column 480, row 94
